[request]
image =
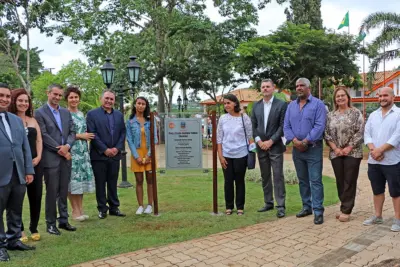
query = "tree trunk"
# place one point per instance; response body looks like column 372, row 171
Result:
column 28, row 50
column 161, row 109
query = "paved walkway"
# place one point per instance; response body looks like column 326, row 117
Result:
column 284, row 242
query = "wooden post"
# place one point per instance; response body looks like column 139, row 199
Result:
column 214, row 157
column 153, row 164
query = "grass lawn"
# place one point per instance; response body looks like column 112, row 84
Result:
column 185, row 203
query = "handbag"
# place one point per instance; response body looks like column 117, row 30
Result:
column 251, row 157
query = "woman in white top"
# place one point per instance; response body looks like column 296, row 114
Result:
column 233, row 151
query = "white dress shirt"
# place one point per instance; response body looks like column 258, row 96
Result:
column 267, row 110
column 384, row 129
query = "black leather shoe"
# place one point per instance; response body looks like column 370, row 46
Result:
column 67, row 226
column 117, row 213
column 280, row 214
column 20, row 246
column 303, row 213
column 266, row 208
column 102, row 215
column 53, row 230
column 319, row 219
column 4, row 255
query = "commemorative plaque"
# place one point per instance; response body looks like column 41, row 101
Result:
column 183, row 146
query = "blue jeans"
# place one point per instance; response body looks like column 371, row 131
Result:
column 308, row 166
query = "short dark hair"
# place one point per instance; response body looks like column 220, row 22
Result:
column 268, row 81
column 72, row 89
column 109, row 91
column 234, row 99
column 4, row 85
column 54, row 85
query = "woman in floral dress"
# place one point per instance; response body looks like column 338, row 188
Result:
column 82, row 179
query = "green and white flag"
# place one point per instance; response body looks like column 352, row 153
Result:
column 345, row 21
column 362, row 36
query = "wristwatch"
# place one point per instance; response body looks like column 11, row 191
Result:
column 304, row 143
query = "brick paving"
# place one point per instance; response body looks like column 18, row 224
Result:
column 285, row 242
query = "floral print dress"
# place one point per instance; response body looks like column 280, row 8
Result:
column 82, row 178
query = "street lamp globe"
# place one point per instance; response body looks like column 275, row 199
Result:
column 133, row 70
column 107, row 72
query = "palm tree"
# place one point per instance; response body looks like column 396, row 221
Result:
column 390, row 35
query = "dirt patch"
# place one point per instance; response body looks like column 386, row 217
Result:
column 388, row 263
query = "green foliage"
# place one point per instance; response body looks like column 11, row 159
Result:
column 280, row 96
column 77, row 73
column 389, row 35
column 294, row 51
column 305, row 12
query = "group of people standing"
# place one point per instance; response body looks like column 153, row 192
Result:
column 52, row 142
column 305, row 124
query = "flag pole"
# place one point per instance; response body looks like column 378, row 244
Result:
column 348, row 28
column 384, row 59
column 363, row 91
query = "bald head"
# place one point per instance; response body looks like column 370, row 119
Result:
column 386, row 90
column 386, row 98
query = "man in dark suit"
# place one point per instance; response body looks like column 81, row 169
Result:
column 16, row 172
column 105, row 152
column 58, row 137
column 267, row 118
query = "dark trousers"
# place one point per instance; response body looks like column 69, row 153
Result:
column 35, row 192
column 268, row 160
column 57, row 181
column 346, row 172
column 11, row 200
column 234, row 174
column 106, row 174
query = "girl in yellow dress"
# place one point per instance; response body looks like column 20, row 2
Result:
column 138, row 137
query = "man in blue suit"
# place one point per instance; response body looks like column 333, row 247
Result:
column 108, row 126
column 17, row 171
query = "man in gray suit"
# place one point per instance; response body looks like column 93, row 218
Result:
column 58, row 137
column 16, row 172
column 267, row 118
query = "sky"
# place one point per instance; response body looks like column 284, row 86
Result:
column 55, row 56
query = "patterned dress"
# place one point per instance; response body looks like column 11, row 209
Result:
column 81, row 174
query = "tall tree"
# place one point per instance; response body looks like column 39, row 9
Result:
column 89, row 21
column 389, row 35
column 305, row 12
column 17, row 18
column 295, row 51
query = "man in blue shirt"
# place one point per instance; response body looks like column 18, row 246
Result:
column 304, row 126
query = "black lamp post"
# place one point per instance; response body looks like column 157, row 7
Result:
column 107, row 71
column 185, row 103
column 179, row 100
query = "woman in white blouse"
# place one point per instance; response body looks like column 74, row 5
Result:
column 233, row 151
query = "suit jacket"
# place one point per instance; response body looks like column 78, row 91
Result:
column 274, row 130
column 17, row 150
column 97, row 123
column 52, row 135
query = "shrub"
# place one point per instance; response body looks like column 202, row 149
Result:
column 288, row 172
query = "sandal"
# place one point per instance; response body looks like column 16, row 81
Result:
column 35, row 237
column 228, row 212
column 240, row 212
column 344, row 217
